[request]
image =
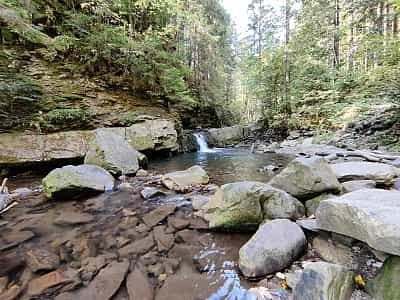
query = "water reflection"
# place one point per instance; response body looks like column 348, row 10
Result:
column 224, row 165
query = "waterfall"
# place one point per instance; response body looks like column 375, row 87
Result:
column 201, row 141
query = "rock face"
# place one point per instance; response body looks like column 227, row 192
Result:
column 182, row 180
column 23, row 149
column 324, row 281
column 112, row 153
column 272, row 248
column 380, row 173
column 72, row 182
column 385, row 286
column 246, row 204
column 221, row 137
column 369, row 215
column 307, row 177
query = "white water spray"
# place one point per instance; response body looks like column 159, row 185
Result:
column 201, row 141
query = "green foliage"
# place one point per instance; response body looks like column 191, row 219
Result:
column 69, row 115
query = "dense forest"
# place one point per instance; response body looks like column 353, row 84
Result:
column 309, row 64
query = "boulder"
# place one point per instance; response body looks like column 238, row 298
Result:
column 182, row 180
column 246, row 204
column 382, row 174
column 71, row 182
column 385, row 286
column 369, row 215
column 306, row 178
column 221, row 137
column 355, row 185
column 272, row 248
column 113, row 153
column 312, row 204
column 324, row 281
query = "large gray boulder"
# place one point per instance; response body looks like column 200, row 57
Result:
column 182, row 180
column 113, row 153
column 382, row 174
column 71, row 182
column 306, row 178
column 246, row 204
column 369, row 215
column 272, row 248
column 385, row 286
column 222, row 137
column 355, row 185
column 324, row 281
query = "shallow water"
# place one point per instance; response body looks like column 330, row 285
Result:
column 224, row 165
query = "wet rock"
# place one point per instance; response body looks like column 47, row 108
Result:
column 182, row 180
column 171, row 265
column 20, row 193
column 43, row 283
column 263, row 293
column 188, row 236
column 15, row 238
column 370, row 215
column 385, row 285
column 198, row 201
column 184, row 284
column 155, row 270
column 142, row 228
column 73, row 218
column 222, row 137
column 312, row 204
column 273, row 247
column 159, row 214
column 308, row 224
column 151, row 192
column 178, row 223
column 138, row 286
column 85, row 247
column 138, row 247
column 324, row 281
column 142, row 173
column 307, row 177
column 198, row 223
column 107, row 282
column 355, row 185
column 246, row 204
column 73, row 182
column 3, row 284
column 382, row 174
column 91, row 265
column 112, row 152
column 40, row 259
column 164, row 241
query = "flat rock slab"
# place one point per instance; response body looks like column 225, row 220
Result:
column 107, row 282
column 138, row 247
column 355, row 185
column 13, row 239
column 159, row 214
column 369, row 215
column 165, row 241
column 138, row 286
column 272, row 248
column 42, row 260
column 382, row 174
column 73, row 218
column 182, row 180
column 151, row 192
column 39, row 285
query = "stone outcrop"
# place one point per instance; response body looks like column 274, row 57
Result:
column 306, row 178
column 222, row 137
column 382, row 174
column 369, row 215
column 18, row 150
column 324, row 281
column 113, row 153
column 273, row 247
column 355, row 185
column 71, row 182
column 182, row 180
column 246, row 204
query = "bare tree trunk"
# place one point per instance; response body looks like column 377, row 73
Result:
column 288, row 103
column 336, row 37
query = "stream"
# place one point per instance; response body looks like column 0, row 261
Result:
column 205, row 263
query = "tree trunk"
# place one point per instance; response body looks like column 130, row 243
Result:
column 288, row 103
column 336, row 37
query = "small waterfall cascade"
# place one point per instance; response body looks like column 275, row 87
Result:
column 201, row 141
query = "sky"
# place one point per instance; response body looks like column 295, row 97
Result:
column 238, row 11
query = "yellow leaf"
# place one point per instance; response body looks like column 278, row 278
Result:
column 359, row 280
